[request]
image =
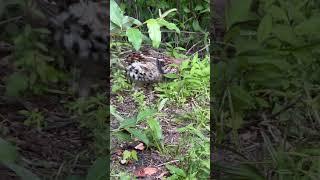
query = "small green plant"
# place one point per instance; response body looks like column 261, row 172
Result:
column 35, row 71
column 139, row 98
column 129, row 156
column 196, row 161
column 193, row 81
column 93, row 114
column 119, row 82
column 131, row 128
column 34, row 118
column 123, row 26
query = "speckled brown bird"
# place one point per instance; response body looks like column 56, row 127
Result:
column 150, row 66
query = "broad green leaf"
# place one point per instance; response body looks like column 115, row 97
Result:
column 134, row 155
column 139, row 135
column 116, row 14
column 265, row 28
column 144, row 114
column 310, row 26
column 126, row 155
column 130, row 122
column 198, row 7
column 238, row 11
column 115, row 114
column 16, row 83
column 168, row 25
column 22, row 172
column 8, row 153
column 154, row 32
column 155, row 128
column 135, row 37
column 285, row 33
column 196, row 26
column 122, row 135
column 176, row 170
column 128, row 21
column 171, row 76
column 278, row 13
column 98, row 169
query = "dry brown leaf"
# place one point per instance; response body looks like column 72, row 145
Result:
column 140, row 147
column 148, row 171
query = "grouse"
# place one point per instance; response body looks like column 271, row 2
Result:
column 81, row 31
column 149, row 66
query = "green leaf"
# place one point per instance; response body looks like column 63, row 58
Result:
column 135, row 37
column 162, row 104
column 285, row 33
column 155, row 128
column 122, row 135
column 154, row 32
column 168, row 25
column 23, row 173
column 128, row 21
column 16, row 83
column 128, row 123
column 98, row 169
column 278, row 13
column 265, row 28
column 167, row 12
column 171, row 76
column 115, row 114
column 8, row 153
column 238, row 11
column 139, row 135
column 134, row 155
column 198, row 7
column 144, row 114
column 310, row 26
column 196, row 26
column 176, row 170
column 116, row 14
column 126, row 155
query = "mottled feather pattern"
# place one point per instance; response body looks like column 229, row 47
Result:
column 149, row 66
column 80, row 30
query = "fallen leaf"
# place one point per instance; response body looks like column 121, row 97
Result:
column 146, row 172
column 140, row 147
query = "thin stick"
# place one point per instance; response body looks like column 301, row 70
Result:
column 11, row 19
column 167, row 163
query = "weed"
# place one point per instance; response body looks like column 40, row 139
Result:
column 34, row 118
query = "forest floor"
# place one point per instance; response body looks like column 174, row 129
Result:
column 183, row 121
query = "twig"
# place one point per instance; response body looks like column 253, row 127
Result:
column 11, row 19
column 193, row 47
column 173, row 161
column 201, row 49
